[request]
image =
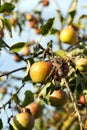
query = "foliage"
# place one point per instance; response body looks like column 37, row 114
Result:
column 20, row 89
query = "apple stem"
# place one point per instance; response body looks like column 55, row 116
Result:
column 75, row 105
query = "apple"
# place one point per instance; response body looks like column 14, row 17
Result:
column 58, row 98
column 26, row 50
column 81, row 64
column 29, row 17
column 68, row 35
column 23, row 121
column 45, row 2
column 3, row 90
column 82, row 100
column 32, row 23
column 35, row 108
column 40, row 70
column 16, row 58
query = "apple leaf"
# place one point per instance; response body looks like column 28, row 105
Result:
column 2, row 43
column 27, row 76
column 61, row 53
column 8, row 26
column 1, row 124
column 17, row 47
column 29, row 97
column 72, row 10
column 60, row 17
column 45, row 29
column 6, row 7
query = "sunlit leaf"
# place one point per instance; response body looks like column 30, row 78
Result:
column 61, row 53
column 27, row 77
column 29, row 97
column 45, row 29
column 6, row 7
column 17, row 47
column 61, row 18
column 8, row 26
column 72, row 10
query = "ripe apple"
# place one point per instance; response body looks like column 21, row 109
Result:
column 37, row 30
column 26, row 50
column 81, row 64
column 16, row 58
column 58, row 98
column 68, row 35
column 82, row 100
column 32, row 23
column 40, row 70
column 45, row 2
column 56, row 117
column 3, row 90
column 35, row 108
column 23, row 121
column 12, row 21
column 29, row 17
column 1, row 33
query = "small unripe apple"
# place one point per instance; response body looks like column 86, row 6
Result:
column 3, row 90
column 12, row 21
column 23, row 121
column 17, row 58
column 37, row 30
column 29, row 17
column 68, row 35
column 35, row 108
column 81, row 64
column 26, row 50
column 82, row 100
column 58, row 98
column 45, row 2
column 32, row 23
column 40, row 70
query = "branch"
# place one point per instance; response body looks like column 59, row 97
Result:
column 75, row 106
column 8, row 73
column 3, row 106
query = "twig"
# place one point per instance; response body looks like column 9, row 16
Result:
column 75, row 106
column 3, row 106
column 8, row 73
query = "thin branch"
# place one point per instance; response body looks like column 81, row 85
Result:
column 3, row 106
column 8, row 73
column 75, row 106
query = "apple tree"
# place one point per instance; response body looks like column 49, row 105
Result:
column 47, row 87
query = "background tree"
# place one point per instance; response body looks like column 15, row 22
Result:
column 47, row 89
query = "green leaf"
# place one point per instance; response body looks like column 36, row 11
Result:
column 29, row 97
column 27, row 76
column 6, row 7
column 60, row 16
column 54, row 31
column 1, row 124
column 17, row 47
column 45, row 29
column 72, row 10
column 8, row 26
column 2, row 43
column 61, row 53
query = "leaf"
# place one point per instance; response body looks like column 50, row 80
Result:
column 60, row 16
column 6, row 7
column 8, row 26
column 17, row 47
column 45, row 29
column 15, row 98
column 72, row 10
column 29, row 97
column 61, row 53
column 1, row 124
column 2, row 43
column 27, row 77
column 54, row 31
